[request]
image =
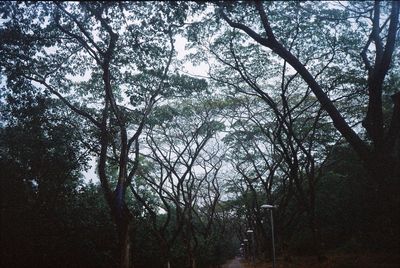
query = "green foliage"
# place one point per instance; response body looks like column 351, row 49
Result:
column 255, row 119
column 44, row 201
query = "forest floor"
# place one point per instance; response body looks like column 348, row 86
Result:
column 367, row 260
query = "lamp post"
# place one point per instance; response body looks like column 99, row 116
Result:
column 251, row 232
column 246, row 248
column 270, row 208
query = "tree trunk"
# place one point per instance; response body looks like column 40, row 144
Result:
column 125, row 243
column 313, row 220
column 384, row 200
column 165, row 253
column 316, row 236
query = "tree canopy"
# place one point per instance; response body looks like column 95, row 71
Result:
column 299, row 108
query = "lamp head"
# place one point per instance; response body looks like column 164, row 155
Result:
column 266, row 206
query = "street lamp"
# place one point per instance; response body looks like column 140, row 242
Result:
column 271, row 207
column 246, row 248
column 251, row 232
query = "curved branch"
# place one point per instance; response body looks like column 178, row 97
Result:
column 65, row 101
column 257, row 37
column 339, row 122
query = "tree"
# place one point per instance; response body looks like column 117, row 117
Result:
column 177, row 139
column 280, row 140
column 93, row 57
column 44, row 200
column 336, row 50
column 378, row 64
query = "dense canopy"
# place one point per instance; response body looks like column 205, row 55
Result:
column 287, row 103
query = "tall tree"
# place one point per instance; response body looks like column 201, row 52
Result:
column 178, row 138
column 378, row 23
column 41, row 157
column 94, row 57
column 346, row 55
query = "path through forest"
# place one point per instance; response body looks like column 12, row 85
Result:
column 235, row 263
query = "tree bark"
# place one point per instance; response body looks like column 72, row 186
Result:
column 125, row 244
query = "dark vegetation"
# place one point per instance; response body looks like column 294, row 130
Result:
column 300, row 109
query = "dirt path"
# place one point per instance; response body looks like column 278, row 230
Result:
column 235, row 263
